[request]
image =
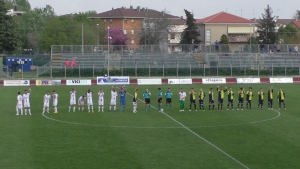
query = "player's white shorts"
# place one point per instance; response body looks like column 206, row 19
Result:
column 46, row 104
column 113, row 102
column 55, row 103
column 26, row 104
column 72, row 102
column 101, row 103
column 90, row 103
column 19, row 106
column 80, row 103
column 134, row 103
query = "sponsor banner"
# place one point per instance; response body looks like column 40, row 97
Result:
column 180, row 81
column 16, row 83
column 247, row 80
column 214, row 81
column 48, row 82
column 78, row 82
column 113, row 80
column 149, row 82
column 282, row 80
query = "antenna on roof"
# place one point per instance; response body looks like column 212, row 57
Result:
column 241, row 12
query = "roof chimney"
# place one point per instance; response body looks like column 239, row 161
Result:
column 163, row 13
column 181, row 17
column 131, row 7
column 138, row 8
column 112, row 8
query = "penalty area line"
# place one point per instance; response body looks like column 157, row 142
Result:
column 197, row 135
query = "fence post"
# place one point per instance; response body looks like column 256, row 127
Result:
column 272, row 66
column 51, row 71
column 22, row 72
column 79, row 71
column 190, row 70
column 149, row 69
column 37, row 72
column 122, row 68
column 244, row 67
column 203, row 70
column 65, row 71
column 285, row 67
column 231, row 67
column 135, row 69
column 258, row 67
column 218, row 69
column 164, row 69
column 93, row 70
column 177, row 68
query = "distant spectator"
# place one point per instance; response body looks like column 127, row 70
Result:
column 262, row 48
column 105, row 75
column 217, row 45
column 296, row 50
column 290, row 50
column 67, row 63
column 271, row 51
column 74, row 63
column 275, row 48
column 278, row 49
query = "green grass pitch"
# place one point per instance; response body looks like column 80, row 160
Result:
column 231, row 139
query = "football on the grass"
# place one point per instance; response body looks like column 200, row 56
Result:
column 161, row 110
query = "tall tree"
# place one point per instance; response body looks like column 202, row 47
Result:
column 22, row 5
column 8, row 34
column 117, row 36
column 190, row 34
column 266, row 27
column 297, row 15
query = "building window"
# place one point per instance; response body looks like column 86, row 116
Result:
column 104, row 20
column 208, row 36
column 132, row 20
column 125, row 32
column 132, row 41
column 110, row 20
column 125, row 20
column 132, row 31
column 172, row 36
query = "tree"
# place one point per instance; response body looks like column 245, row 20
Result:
column 190, row 34
column 288, row 34
column 297, row 15
column 252, row 41
column 117, row 36
column 22, row 5
column 8, row 34
column 53, row 34
column 266, row 27
column 224, row 39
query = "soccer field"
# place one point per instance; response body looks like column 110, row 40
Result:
column 259, row 139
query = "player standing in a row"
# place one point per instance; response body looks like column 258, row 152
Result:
column 135, row 99
column 19, row 105
column 26, row 100
column 249, row 98
column 220, row 96
column 192, row 94
column 281, row 98
column 101, row 100
column 241, row 94
column 230, row 94
column 146, row 96
column 55, row 101
column 81, row 103
column 46, row 102
column 182, row 96
column 159, row 99
column 122, row 93
column 89, row 95
column 168, row 95
column 72, row 100
column 201, row 99
column 261, row 95
column 211, row 99
column 113, row 100
column 270, row 98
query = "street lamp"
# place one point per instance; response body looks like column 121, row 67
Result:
column 98, row 37
column 108, row 38
column 250, row 38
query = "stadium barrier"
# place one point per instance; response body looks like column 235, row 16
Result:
column 126, row 80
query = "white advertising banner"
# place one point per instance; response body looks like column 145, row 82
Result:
column 149, row 82
column 113, row 80
column 214, row 81
column 247, row 80
column 16, row 83
column 78, row 82
column 180, row 81
column 282, row 80
column 48, row 82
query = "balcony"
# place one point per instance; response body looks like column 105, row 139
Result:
column 238, row 39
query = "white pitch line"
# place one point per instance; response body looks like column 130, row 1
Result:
column 197, row 135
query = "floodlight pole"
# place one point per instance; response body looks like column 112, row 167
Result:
column 250, row 39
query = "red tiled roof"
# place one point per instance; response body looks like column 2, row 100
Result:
column 297, row 23
column 133, row 13
column 224, row 17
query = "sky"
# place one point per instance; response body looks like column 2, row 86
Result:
column 285, row 9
